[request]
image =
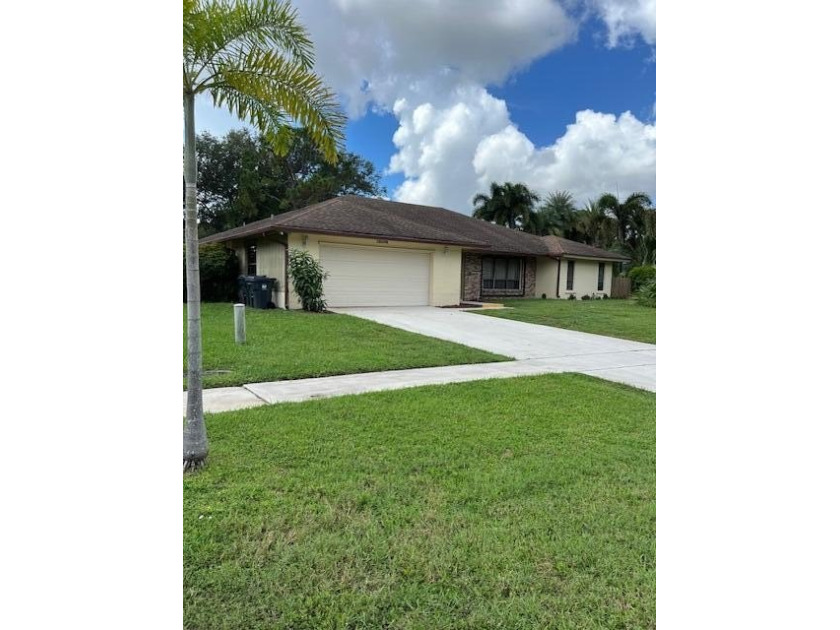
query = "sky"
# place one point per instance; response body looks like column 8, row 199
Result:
column 446, row 97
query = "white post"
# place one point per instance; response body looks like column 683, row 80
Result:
column 239, row 323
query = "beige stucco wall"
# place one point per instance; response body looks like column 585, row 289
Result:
column 546, row 278
column 586, row 278
column 445, row 279
column 271, row 262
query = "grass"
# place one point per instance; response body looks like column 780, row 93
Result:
column 515, row 503
column 294, row 344
column 624, row 319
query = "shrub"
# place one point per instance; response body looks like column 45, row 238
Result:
column 605, row 296
column 308, row 280
column 571, row 296
column 640, row 276
column 544, row 296
column 647, row 294
column 218, row 269
column 585, row 297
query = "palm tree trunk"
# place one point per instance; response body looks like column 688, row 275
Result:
column 195, row 433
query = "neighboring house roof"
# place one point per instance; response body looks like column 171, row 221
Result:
column 365, row 217
column 558, row 246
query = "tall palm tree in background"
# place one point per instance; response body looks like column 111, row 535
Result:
column 557, row 216
column 623, row 212
column 253, row 57
column 597, row 228
column 640, row 245
column 508, row 204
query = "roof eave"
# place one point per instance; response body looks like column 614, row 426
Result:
column 288, row 229
column 386, row 237
column 615, row 258
column 489, row 250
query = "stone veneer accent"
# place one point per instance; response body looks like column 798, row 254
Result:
column 471, row 284
column 471, row 270
column 530, row 276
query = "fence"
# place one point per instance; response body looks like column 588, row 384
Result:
column 620, row 288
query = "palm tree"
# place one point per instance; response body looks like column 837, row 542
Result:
column 253, row 57
column 595, row 225
column 641, row 237
column 508, row 204
column 557, row 216
column 624, row 211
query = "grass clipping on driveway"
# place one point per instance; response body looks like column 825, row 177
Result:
column 624, row 319
column 295, row 344
column 515, row 503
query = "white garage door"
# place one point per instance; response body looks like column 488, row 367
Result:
column 375, row 276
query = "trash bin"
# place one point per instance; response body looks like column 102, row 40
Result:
column 261, row 290
column 255, row 291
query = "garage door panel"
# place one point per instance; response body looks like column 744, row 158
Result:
column 361, row 276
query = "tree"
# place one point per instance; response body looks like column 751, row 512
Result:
column 622, row 212
column 596, row 227
column 508, row 204
column 640, row 245
column 241, row 179
column 253, row 57
column 557, row 216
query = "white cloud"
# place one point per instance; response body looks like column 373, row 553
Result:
column 450, row 153
column 627, row 18
column 598, row 153
column 436, row 146
column 381, row 50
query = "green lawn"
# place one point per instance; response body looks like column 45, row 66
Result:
column 294, row 344
column 515, row 503
column 615, row 318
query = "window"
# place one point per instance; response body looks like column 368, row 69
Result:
column 601, row 276
column 570, row 275
column 501, row 273
column 251, row 250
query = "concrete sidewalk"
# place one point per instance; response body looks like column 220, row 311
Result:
column 631, row 367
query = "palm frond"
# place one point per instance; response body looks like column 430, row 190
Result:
column 608, row 202
column 638, row 200
column 213, row 27
column 256, row 59
column 287, row 88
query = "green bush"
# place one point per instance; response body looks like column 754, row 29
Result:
column 647, row 294
column 640, row 276
column 308, row 280
column 218, row 269
column 571, row 296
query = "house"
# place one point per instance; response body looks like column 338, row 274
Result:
column 385, row 253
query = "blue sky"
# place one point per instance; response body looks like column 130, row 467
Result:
column 445, row 99
column 585, row 75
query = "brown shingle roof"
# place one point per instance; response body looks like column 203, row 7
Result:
column 361, row 216
column 350, row 215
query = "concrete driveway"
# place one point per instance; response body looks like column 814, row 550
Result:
column 552, row 349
